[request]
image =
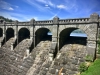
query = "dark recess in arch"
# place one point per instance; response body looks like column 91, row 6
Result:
column 9, row 33
column 42, row 35
column 65, row 38
column 1, row 32
column 23, row 34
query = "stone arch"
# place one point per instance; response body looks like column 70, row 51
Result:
column 9, row 33
column 7, row 27
column 23, row 33
column 46, row 27
column 41, row 35
column 64, row 37
column 13, row 27
column 84, row 28
column 20, row 27
column 1, row 32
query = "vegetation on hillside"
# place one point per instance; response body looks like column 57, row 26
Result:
column 6, row 19
column 94, row 68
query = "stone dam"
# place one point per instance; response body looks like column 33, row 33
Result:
column 26, row 49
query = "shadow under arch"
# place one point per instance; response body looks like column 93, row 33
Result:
column 1, row 32
column 65, row 37
column 23, row 33
column 9, row 33
column 42, row 34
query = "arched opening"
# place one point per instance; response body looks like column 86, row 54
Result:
column 23, row 34
column 9, row 33
column 43, row 34
column 1, row 32
column 72, row 36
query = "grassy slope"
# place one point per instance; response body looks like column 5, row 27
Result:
column 94, row 69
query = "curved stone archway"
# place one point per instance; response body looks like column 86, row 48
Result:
column 45, row 27
column 65, row 38
column 9, row 33
column 26, row 27
column 42, row 34
column 23, row 34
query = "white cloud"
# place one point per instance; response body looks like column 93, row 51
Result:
column 46, row 2
column 10, row 8
column 51, row 4
column 42, row 8
column 46, row 5
column 61, row 6
column 69, row 6
column 5, row 5
column 42, row 1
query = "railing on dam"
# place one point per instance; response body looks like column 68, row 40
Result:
column 78, row 20
column 44, row 22
column 23, row 23
column 51, row 22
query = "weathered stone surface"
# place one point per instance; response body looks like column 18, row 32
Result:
column 40, row 60
column 68, row 60
column 52, row 71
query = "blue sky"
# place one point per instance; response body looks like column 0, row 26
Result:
column 24, row 10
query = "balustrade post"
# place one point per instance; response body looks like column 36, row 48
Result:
column 16, row 31
column 32, row 31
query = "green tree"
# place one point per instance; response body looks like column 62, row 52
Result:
column 6, row 19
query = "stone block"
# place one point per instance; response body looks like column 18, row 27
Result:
column 74, row 62
column 67, row 66
column 64, row 70
column 24, row 68
column 91, row 52
column 47, row 65
column 73, row 67
column 56, row 63
column 71, row 73
column 52, row 71
column 94, row 17
column 53, row 45
column 16, row 72
column 20, row 70
column 43, row 73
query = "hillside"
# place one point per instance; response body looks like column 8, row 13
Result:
column 6, row 19
column 94, row 69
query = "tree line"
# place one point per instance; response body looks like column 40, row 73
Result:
column 6, row 19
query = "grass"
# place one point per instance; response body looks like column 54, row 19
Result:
column 94, row 69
